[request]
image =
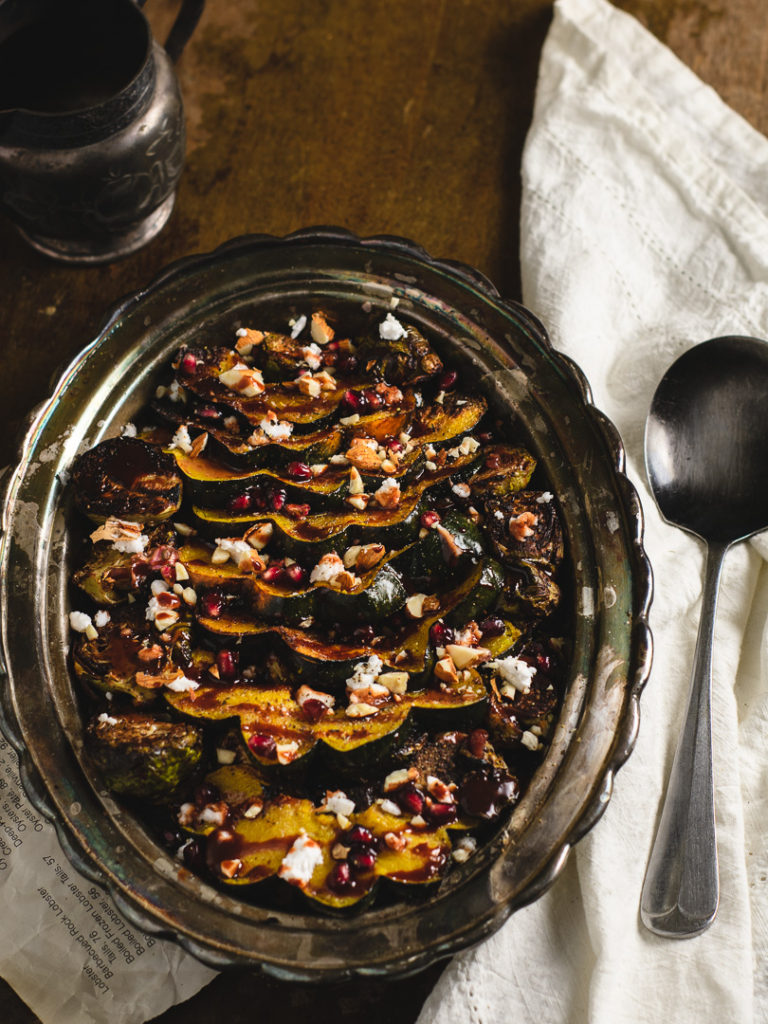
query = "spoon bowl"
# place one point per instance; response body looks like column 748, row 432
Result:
column 705, row 440
column 705, row 444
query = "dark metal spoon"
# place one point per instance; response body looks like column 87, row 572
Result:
column 706, row 454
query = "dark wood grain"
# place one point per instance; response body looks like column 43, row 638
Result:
column 405, row 117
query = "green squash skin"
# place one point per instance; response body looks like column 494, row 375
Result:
column 428, row 560
column 484, row 597
column 382, row 598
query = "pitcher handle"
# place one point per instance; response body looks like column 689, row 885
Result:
column 183, row 27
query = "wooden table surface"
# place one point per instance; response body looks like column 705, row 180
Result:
column 402, row 117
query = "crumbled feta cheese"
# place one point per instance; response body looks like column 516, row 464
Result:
column 544, row 498
column 297, row 325
column 299, row 863
column 182, row 440
column 327, row 569
column 240, row 551
column 106, row 719
column 181, row 684
column 276, row 430
column 129, row 430
column 101, row 618
column 79, row 621
column 213, row 814
column 514, row 671
column 390, row 329
column 131, row 545
column 366, row 673
column 176, row 392
column 350, row 421
column 464, row 849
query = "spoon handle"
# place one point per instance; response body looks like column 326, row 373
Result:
column 681, row 892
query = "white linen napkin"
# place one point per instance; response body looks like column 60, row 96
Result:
column 644, row 231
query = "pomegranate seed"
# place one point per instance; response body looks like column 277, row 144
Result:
column 429, row 519
column 295, row 573
column 360, row 835
column 492, row 626
column 440, row 634
column 278, row 500
column 352, row 400
column 209, row 412
column 394, row 445
column 313, row 709
column 409, row 799
column 227, row 663
column 340, row 879
column 476, row 742
column 346, row 364
column 299, row 471
column 241, row 503
column 212, row 604
column 447, row 380
column 188, row 363
column 372, row 400
column 332, row 346
column 441, row 814
column 273, row 574
column 486, row 437
column 362, row 860
column 262, row 745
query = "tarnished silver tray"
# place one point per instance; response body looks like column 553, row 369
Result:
column 258, row 279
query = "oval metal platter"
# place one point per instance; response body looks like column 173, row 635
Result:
column 263, row 279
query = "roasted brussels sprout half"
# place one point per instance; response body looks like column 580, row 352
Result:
column 127, row 478
column 403, row 360
column 530, row 591
column 525, row 525
column 126, row 657
column 144, row 757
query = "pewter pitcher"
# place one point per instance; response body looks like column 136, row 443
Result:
column 91, row 124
